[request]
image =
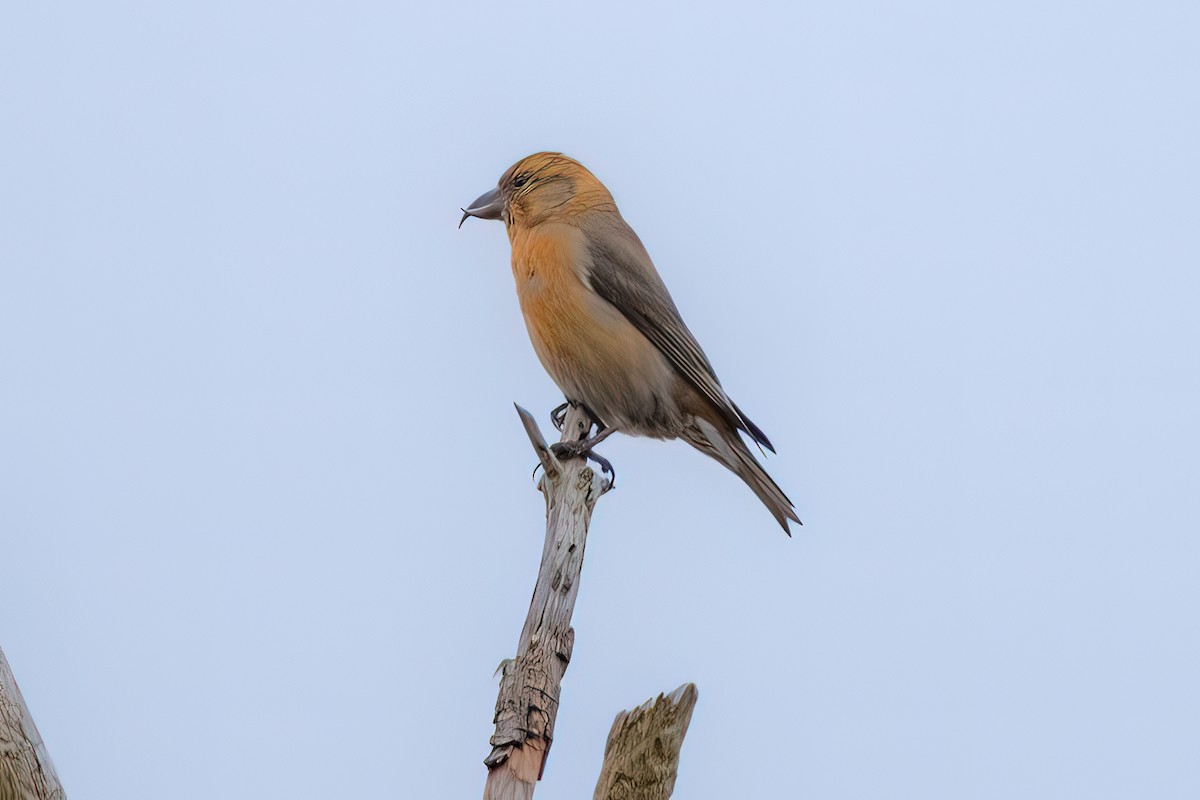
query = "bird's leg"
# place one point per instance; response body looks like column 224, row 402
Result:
column 583, row 449
column 558, row 417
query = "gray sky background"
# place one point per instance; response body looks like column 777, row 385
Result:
column 945, row 254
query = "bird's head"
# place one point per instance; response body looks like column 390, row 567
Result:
column 539, row 188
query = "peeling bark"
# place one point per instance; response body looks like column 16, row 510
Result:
column 527, row 704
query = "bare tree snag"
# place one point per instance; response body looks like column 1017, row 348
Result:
column 641, row 758
column 527, row 704
column 26, row 772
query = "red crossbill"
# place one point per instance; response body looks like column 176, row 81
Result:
column 605, row 327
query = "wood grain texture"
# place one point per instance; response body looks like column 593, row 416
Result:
column 641, row 758
column 530, row 683
column 26, row 772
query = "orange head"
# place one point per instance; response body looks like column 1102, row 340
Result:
column 540, row 188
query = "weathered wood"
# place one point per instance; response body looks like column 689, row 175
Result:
column 641, row 758
column 26, row 772
column 545, row 455
column 527, row 704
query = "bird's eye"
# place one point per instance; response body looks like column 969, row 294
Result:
column 520, row 181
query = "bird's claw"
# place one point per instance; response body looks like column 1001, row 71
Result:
column 605, row 466
column 565, row 450
column 558, row 417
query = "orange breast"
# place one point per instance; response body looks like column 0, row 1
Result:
column 548, row 287
column 588, row 347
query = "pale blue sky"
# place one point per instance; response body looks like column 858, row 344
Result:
column 945, row 254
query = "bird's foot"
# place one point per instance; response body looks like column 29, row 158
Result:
column 565, row 450
column 583, row 449
column 558, row 417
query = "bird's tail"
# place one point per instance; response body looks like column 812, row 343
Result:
column 727, row 447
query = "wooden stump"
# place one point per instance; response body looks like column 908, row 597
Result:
column 26, row 772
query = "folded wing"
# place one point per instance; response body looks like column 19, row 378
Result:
column 621, row 272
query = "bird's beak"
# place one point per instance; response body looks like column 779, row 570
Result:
column 486, row 206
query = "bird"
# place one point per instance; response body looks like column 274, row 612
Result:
column 604, row 325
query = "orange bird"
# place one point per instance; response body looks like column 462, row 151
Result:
column 604, row 325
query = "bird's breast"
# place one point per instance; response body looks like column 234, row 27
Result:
column 566, row 320
column 588, row 347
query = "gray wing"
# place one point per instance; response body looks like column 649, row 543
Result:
column 622, row 273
